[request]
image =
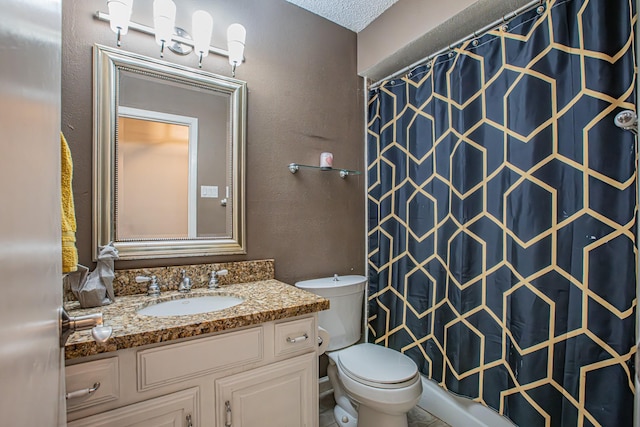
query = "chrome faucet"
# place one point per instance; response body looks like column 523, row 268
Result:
column 185, row 283
column 153, row 290
column 213, row 278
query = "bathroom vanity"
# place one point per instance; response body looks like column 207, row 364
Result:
column 253, row 364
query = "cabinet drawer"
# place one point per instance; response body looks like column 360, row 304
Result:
column 174, row 410
column 83, row 376
column 178, row 362
column 293, row 336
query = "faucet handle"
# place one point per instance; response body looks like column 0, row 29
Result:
column 185, row 283
column 153, row 290
column 213, row 277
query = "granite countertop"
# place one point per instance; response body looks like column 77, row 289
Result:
column 264, row 301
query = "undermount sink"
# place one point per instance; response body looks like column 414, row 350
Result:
column 189, row 306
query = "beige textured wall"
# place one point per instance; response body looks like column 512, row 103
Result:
column 304, row 98
column 410, row 30
column 401, row 24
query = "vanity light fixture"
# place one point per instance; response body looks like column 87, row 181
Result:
column 167, row 35
column 120, row 12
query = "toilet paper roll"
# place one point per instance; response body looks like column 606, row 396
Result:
column 323, row 340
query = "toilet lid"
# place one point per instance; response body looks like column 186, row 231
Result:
column 370, row 363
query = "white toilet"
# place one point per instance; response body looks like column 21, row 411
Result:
column 374, row 386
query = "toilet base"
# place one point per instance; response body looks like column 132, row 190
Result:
column 369, row 417
column 343, row 418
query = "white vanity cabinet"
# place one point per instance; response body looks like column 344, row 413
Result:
column 259, row 376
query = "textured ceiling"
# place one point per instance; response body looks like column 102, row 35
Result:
column 352, row 14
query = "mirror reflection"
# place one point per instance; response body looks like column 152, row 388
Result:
column 169, row 165
column 154, row 198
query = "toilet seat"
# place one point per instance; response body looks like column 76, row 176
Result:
column 377, row 366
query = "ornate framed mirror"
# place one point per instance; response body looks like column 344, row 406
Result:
column 169, row 158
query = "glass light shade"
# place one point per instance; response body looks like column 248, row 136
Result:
column 164, row 19
column 120, row 13
column 201, row 28
column 236, row 35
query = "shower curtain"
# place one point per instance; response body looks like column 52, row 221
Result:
column 502, row 216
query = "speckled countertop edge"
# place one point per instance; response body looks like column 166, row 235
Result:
column 265, row 301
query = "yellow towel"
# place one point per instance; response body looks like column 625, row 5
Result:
column 69, row 251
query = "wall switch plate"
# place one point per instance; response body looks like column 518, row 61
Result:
column 209, row 191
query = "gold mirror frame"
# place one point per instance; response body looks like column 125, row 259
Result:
column 107, row 64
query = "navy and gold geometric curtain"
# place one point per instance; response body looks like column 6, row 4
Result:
column 502, row 217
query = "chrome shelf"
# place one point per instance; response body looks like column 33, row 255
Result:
column 295, row 167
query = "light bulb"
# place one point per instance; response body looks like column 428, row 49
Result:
column 236, row 35
column 164, row 18
column 119, row 15
column 201, row 27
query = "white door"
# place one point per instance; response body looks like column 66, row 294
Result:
column 31, row 362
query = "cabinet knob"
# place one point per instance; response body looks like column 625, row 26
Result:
column 227, row 408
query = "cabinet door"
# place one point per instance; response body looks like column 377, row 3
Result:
column 283, row 394
column 173, row 410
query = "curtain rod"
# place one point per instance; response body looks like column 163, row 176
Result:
column 495, row 24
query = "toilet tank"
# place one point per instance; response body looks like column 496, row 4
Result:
column 343, row 320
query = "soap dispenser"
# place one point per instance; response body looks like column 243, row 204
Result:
column 185, row 283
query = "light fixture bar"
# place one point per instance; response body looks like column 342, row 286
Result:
column 141, row 28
